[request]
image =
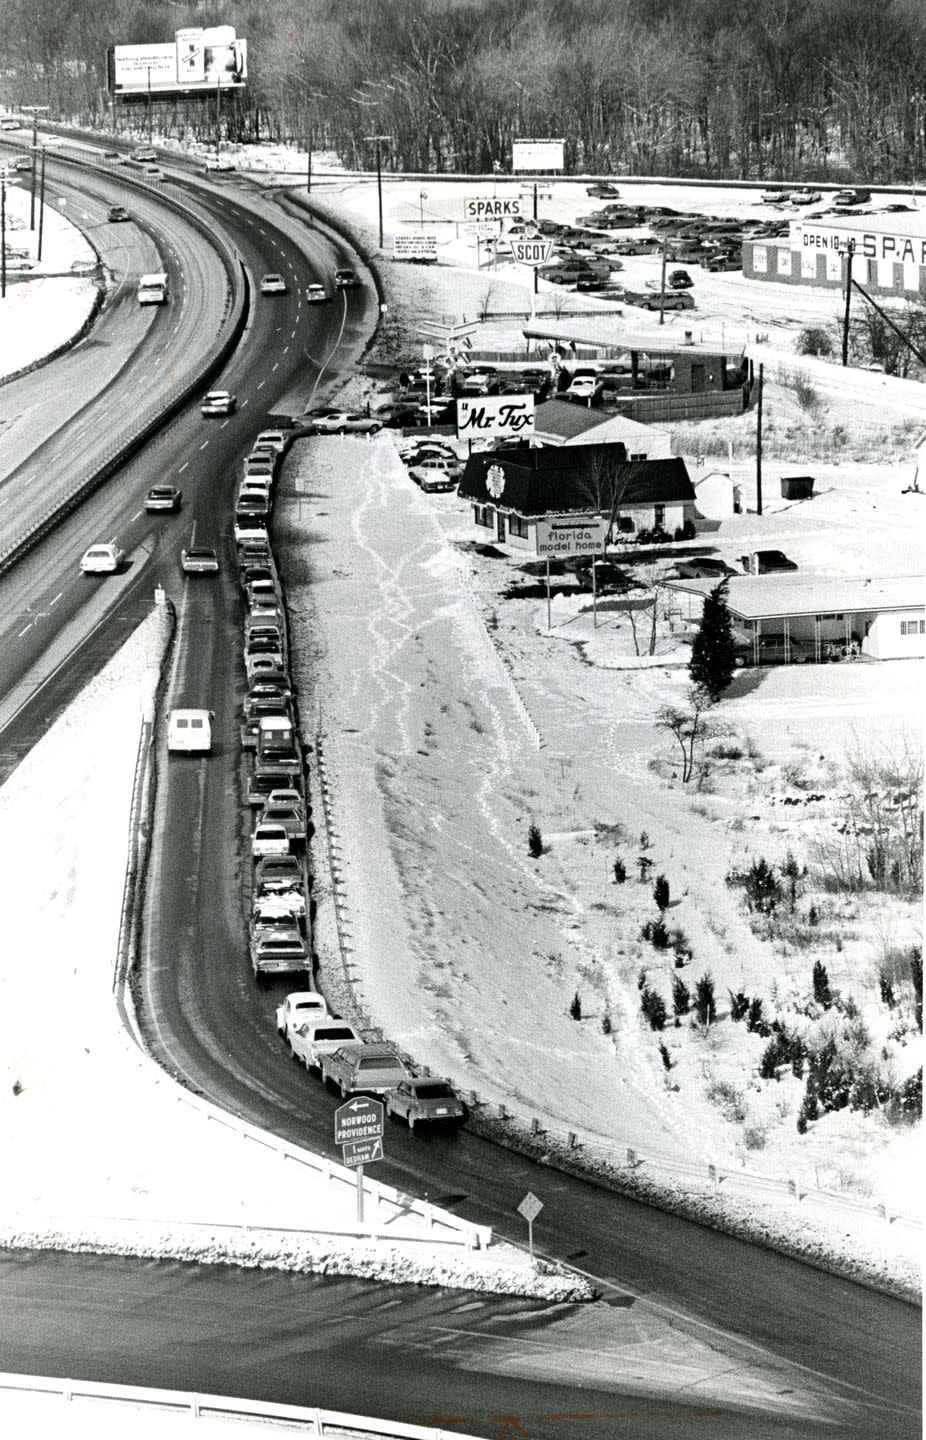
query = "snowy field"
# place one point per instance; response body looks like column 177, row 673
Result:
column 469, row 951
column 147, row 1171
column 44, row 305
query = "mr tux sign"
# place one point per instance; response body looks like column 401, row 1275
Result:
column 493, row 416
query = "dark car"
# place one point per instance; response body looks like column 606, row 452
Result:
column 770, row 650
column 346, row 279
column 723, row 261
column 680, row 280
column 705, row 567
column 603, row 190
column 767, row 562
column 117, row 213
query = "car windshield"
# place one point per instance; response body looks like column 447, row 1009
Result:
column 200, row 554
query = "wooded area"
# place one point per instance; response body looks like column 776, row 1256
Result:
column 776, row 88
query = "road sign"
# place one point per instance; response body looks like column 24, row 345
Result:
column 579, row 535
column 360, row 1119
column 530, row 1207
column 481, row 229
column 492, row 207
column 531, row 252
column 435, row 331
column 363, row 1152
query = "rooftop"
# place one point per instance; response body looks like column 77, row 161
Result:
column 564, row 479
column 769, row 597
column 566, row 419
column 663, row 342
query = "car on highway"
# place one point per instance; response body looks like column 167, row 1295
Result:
column 255, row 485
column 291, row 817
column 360, row 1069
column 425, row 1100
column 273, row 285
column 272, row 440
column 269, row 838
column 163, row 497
column 263, row 659
column 252, row 505
column 312, row 1041
column 214, row 163
column 345, row 422
column 248, row 528
column 275, row 874
column 189, row 732
column 152, row 172
column 278, row 947
column 116, row 213
column 435, row 473
column 199, row 560
column 346, row 279
column 10, row 123
column 22, row 163
column 143, row 153
column 316, row 294
column 704, row 567
column 300, row 1008
column 104, row 558
column 218, row 402
column 257, row 709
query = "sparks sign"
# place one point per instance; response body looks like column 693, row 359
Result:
column 869, row 244
column 579, row 535
column 492, row 207
column 491, row 416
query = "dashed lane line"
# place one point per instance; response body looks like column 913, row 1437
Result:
column 183, row 467
column 204, row 444
column 56, row 599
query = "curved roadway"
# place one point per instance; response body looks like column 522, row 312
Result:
column 852, row 1354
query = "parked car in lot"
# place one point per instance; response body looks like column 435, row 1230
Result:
column 723, row 261
column 650, row 300
column 163, row 497
column 680, row 280
column 316, row 294
column 104, row 558
column 852, row 197
column 603, row 190
column 199, row 560
column 301, row 1008
column 311, row 1041
column 805, row 196
column 775, row 197
column 435, row 473
column 273, row 285
column 585, row 388
column 766, row 562
column 363, row 1069
column 771, row 650
column 704, row 567
column 345, row 422
column 218, row 402
column 424, row 1100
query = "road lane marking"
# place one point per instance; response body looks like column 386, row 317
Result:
column 243, row 403
column 276, row 366
column 137, row 513
column 183, row 467
column 22, row 632
column 261, row 385
column 285, row 349
column 204, row 444
column 56, row 599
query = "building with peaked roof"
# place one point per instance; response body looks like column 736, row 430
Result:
column 516, row 494
column 563, row 422
column 883, row 618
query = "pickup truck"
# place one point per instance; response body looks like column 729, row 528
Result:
column 314, row 1039
column 364, row 1069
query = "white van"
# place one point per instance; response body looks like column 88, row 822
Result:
column 190, row 731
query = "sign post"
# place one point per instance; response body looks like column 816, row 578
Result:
column 358, row 1129
column 530, row 1207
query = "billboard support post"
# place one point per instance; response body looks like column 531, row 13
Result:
column 149, row 104
column 2, row 239
column 534, row 304
column 35, row 141
column 378, row 140
column 850, row 251
column 549, row 618
column 218, row 117
column 41, row 206
column 308, row 169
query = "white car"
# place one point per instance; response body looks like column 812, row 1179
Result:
column 153, row 172
column 584, row 387
column 316, row 295
column 218, row 402
column 268, row 838
column 102, row 559
column 271, row 440
column 343, row 422
column 311, row 1041
column 434, row 474
column 299, row 1009
column 273, row 285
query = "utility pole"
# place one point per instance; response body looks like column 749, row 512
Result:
column 308, row 172
column 850, row 251
column 149, row 104
column 2, row 239
column 35, row 129
column 218, row 116
column 662, row 283
column 41, row 206
column 536, row 286
column 759, row 443
column 378, row 140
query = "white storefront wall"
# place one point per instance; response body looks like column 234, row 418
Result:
column 895, row 635
column 523, row 537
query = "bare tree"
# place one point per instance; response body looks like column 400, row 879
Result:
column 691, row 726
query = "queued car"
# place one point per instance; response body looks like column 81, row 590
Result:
column 278, row 947
column 363, row 1069
column 346, row 279
column 104, row 558
column 310, row 1042
column 278, row 874
column 435, row 473
column 299, row 1009
column 269, row 838
column 273, row 285
column 316, row 294
column 218, row 402
column 163, row 497
column 424, row 1100
column 199, row 560
column 290, row 816
column 271, row 440
column 117, row 213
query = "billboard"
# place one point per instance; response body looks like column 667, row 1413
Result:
column 492, row 416
column 415, row 245
column 492, row 207
column 579, row 535
column 196, row 59
column 537, row 154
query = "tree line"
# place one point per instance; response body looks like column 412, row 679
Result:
column 777, row 88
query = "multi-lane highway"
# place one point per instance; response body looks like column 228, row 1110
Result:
column 851, row 1354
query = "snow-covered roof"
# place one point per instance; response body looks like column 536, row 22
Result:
column 666, row 342
column 769, row 597
column 565, row 419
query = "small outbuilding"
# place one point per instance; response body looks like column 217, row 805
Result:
column 562, row 422
column 797, row 487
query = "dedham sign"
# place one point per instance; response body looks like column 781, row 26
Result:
column 579, row 535
column 493, row 416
